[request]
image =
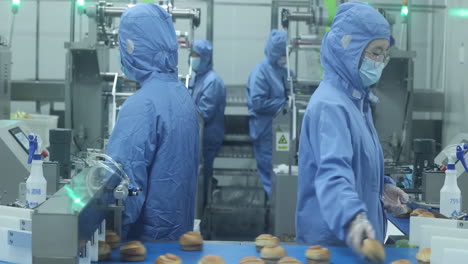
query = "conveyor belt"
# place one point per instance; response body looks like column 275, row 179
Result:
column 232, row 252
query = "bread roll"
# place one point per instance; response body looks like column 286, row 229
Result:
column 211, row 259
column 191, row 241
column 133, row 251
column 272, row 254
column 427, row 214
column 168, row 259
column 289, row 260
column 373, row 251
column 251, row 260
column 266, row 240
column 318, row 255
column 418, row 212
column 104, row 251
column 424, row 256
column 401, row 261
column 112, row 239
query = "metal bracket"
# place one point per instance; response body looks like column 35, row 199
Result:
column 462, row 224
column 19, row 239
column 25, row 225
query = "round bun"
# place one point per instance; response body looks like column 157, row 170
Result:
column 168, row 259
column 427, row 214
column 191, row 241
column 289, row 260
column 272, row 252
column 401, row 261
column 373, row 251
column 112, row 239
column 424, row 255
column 251, row 260
column 133, row 251
column 211, row 259
column 266, row 240
column 317, row 253
column 418, row 212
column 104, row 251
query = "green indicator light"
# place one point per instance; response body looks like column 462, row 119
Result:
column 80, row 3
column 458, row 12
column 404, row 11
column 16, row 2
column 77, row 200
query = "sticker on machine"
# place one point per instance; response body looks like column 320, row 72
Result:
column 282, row 141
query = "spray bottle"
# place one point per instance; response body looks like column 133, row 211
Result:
column 450, row 194
column 36, row 185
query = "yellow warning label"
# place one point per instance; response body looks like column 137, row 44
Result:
column 283, row 140
column 282, row 143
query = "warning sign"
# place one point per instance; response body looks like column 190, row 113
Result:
column 282, row 141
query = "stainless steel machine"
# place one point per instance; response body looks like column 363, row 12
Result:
column 5, row 79
column 66, row 228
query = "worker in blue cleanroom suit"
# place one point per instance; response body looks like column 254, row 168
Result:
column 342, row 189
column 267, row 92
column 156, row 136
column 209, row 95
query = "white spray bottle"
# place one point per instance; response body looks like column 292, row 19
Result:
column 450, row 194
column 36, row 184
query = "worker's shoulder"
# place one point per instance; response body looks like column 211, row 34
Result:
column 328, row 98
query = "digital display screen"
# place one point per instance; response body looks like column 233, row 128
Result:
column 20, row 137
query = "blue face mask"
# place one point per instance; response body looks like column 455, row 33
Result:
column 126, row 72
column 195, row 62
column 370, row 71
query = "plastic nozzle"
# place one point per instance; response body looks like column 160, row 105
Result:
column 32, row 147
column 461, row 155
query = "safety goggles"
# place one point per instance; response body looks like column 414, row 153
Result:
column 379, row 58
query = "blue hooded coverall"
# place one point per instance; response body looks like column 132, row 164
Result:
column 341, row 168
column 209, row 95
column 267, row 90
column 156, row 136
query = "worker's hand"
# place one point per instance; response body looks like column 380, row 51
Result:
column 359, row 229
column 394, row 199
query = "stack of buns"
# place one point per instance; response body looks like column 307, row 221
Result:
column 168, row 259
column 133, row 251
column 251, row 260
column 424, row 256
column 104, row 251
column 112, row 239
column 191, row 241
column 266, row 240
column 272, row 254
column 211, row 259
column 318, row 255
column 373, row 251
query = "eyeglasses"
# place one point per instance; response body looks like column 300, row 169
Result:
column 384, row 57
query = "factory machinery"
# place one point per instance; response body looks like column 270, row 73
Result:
column 69, row 224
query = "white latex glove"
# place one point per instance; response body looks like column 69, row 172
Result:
column 394, row 199
column 359, row 229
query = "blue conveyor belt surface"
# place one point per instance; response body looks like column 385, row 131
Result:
column 232, row 252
